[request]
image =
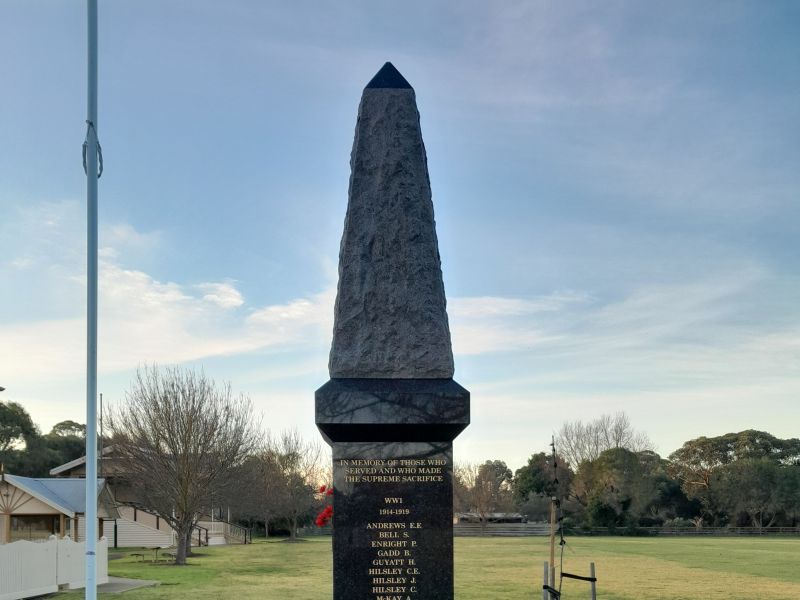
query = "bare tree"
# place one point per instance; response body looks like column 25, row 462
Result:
column 483, row 488
column 269, row 481
column 299, row 475
column 178, row 438
column 578, row 441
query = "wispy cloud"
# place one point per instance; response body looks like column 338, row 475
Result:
column 481, row 307
column 677, row 327
column 695, row 342
column 489, row 324
column 224, row 295
column 142, row 319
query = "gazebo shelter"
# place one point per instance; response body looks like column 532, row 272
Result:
column 36, row 508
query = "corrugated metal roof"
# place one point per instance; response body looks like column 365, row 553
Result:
column 66, row 495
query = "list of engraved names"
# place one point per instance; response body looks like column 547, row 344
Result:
column 394, row 529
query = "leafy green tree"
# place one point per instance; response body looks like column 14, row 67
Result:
column 538, row 478
column 759, row 488
column 697, row 462
column 670, row 502
column 498, row 470
column 16, row 426
column 789, row 490
column 65, row 445
column 601, row 513
column 619, row 480
column 68, row 429
column 752, row 444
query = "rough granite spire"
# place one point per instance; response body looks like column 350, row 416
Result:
column 390, row 317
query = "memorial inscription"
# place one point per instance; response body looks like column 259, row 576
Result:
column 396, row 503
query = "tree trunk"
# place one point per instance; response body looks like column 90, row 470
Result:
column 293, row 533
column 266, row 526
column 180, row 553
column 189, row 541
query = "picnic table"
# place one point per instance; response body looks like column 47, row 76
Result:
column 155, row 550
column 172, row 554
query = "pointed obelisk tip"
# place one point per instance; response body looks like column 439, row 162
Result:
column 388, row 77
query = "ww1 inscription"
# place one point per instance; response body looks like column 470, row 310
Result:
column 399, row 502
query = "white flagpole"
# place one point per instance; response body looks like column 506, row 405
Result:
column 91, row 147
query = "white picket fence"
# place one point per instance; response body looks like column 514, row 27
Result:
column 33, row 568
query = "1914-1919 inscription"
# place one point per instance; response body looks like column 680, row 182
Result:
column 394, row 527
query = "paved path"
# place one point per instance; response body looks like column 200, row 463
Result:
column 117, row 585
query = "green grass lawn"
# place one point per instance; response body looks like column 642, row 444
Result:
column 499, row 568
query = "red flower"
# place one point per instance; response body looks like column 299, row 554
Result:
column 324, row 517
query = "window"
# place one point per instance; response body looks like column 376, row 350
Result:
column 33, row 527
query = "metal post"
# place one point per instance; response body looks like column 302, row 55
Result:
column 545, row 593
column 100, row 440
column 593, row 583
column 553, row 518
column 553, row 542
column 91, row 306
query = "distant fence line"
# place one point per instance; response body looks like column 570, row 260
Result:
column 315, row 531
column 541, row 529
column 500, row 529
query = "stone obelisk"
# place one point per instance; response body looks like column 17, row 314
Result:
column 391, row 409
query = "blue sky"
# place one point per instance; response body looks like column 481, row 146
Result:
column 616, row 192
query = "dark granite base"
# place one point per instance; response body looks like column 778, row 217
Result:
column 393, row 484
column 392, row 410
column 393, row 521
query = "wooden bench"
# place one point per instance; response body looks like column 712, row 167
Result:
column 140, row 555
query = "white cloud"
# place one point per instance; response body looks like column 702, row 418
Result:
column 21, row 263
column 493, row 306
column 681, row 331
column 122, row 239
column 488, row 324
column 224, row 295
column 697, row 347
column 37, row 235
column 141, row 319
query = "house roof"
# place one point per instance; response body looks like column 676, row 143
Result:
column 65, row 495
column 77, row 462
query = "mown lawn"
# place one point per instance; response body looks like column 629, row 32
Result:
column 499, row 568
column 634, row 568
